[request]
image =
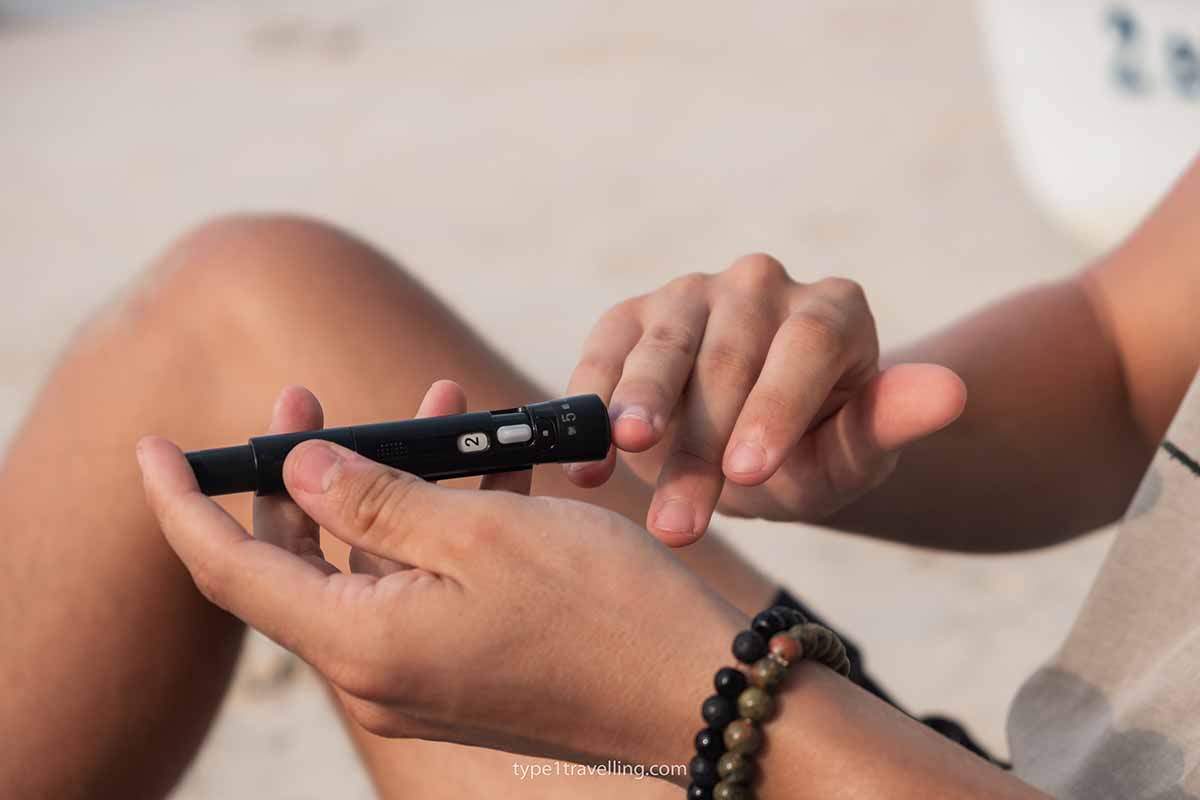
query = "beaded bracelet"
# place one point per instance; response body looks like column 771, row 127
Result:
column 724, row 766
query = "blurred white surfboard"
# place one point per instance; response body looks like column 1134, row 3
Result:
column 1101, row 101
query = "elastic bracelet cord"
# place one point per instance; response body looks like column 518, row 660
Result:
column 724, row 767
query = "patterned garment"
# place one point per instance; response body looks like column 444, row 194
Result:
column 1116, row 712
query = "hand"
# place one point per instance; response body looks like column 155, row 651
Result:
column 750, row 377
column 536, row 625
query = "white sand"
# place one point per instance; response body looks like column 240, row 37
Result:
column 557, row 156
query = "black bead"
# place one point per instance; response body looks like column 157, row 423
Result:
column 718, row 712
column 698, row 792
column 703, row 772
column 794, row 615
column 749, row 646
column 710, row 743
column 768, row 623
column 729, row 682
column 781, row 614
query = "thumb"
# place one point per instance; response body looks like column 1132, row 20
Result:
column 859, row 444
column 380, row 510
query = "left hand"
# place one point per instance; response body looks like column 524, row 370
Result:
column 756, row 394
column 536, row 625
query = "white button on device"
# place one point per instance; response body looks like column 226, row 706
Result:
column 512, row 434
column 473, row 443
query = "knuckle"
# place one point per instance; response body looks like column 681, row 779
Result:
column 769, row 404
column 689, row 284
column 728, row 364
column 671, row 340
column 624, row 311
column 813, row 332
column 757, row 272
column 843, row 290
column 375, row 501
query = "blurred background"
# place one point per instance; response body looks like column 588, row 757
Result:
column 535, row 162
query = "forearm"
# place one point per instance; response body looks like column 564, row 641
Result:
column 1071, row 386
column 1046, row 448
column 827, row 739
column 831, row 739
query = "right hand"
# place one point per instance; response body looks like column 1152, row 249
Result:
column 756, row 391
column 535, row 625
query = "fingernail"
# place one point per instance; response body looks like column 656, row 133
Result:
column 747, row 458
column 676, row 516
column 575, row 466
column 635, row 414
column 317, row 468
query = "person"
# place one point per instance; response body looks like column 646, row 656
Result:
column 457, row 626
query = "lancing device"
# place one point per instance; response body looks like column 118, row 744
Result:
column 564, row 430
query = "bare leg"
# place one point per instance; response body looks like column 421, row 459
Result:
column 118, row 663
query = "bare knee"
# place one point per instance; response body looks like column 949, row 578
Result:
column 265, row 256
column 247, row 303
column 245, row 270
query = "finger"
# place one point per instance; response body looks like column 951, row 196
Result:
column 604, row 353
column 378, row 509
column 277, row 519
column 296, row 409
column 590, row 474
column 819, row 346
column 441, row 398
column 727, row 365
column 274, row 590
column 598, row 372
column 658, row 367
column 858, row 446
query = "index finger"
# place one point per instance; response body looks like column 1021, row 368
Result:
column 598, row 372
column 604, row 352
column 277, row 592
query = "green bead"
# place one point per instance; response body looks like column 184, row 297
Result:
column 767, row 673
column 727, row 790
column 818, row 642
column 755, row 704
column 742, row 736
column 736, row 767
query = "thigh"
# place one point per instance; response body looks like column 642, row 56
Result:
column 368, row 339
column 197, row 352
column 399, row 340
